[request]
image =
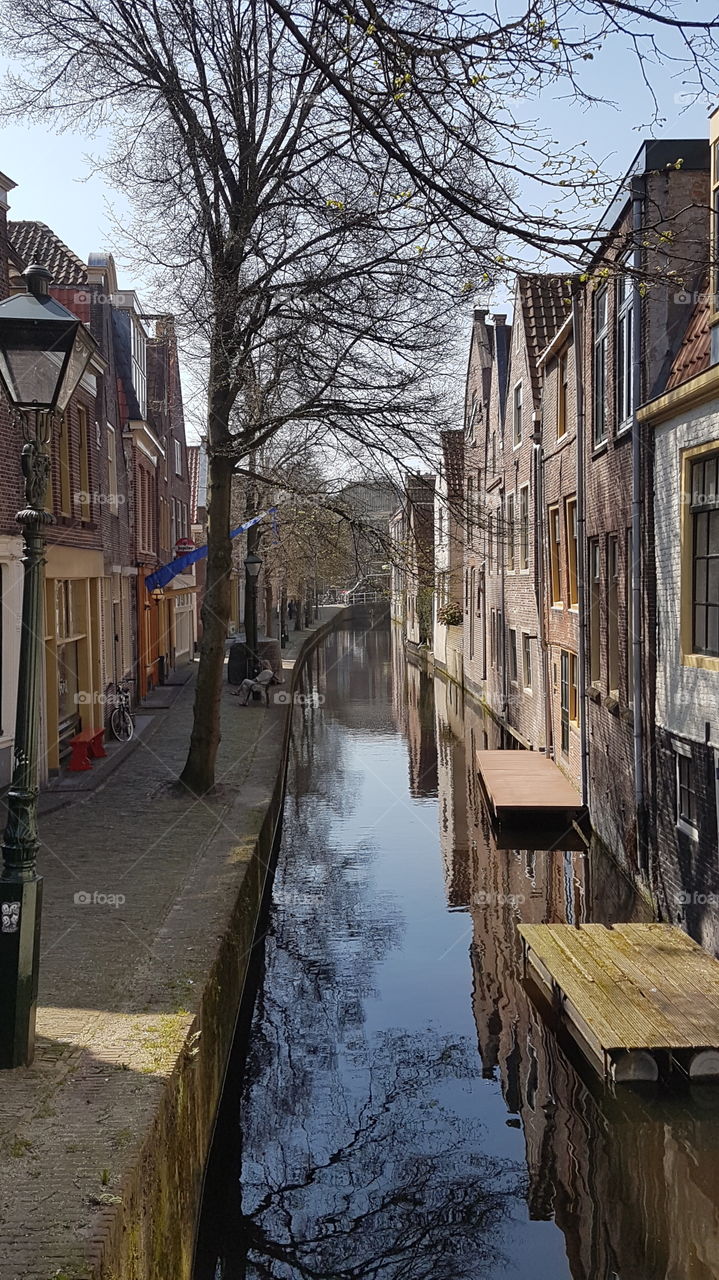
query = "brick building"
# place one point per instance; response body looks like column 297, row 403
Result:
column 561, row 575
column 631, row 333
column 485, row 394
column 449, row 552
column 75, row 568
column 411, row 531
column 685, row 827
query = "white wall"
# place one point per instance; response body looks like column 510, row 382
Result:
column 686, row 696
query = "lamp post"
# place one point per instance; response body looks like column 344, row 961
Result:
column 44, row 351
column 253, row 564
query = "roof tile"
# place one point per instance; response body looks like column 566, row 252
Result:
column 34, row 242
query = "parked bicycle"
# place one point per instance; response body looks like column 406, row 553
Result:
column 121, row 720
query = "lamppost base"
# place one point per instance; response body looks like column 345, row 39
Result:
column 20, row 911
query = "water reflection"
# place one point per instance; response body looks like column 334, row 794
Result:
column 400, row 1108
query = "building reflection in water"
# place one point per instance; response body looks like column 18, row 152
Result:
column 629, row 1179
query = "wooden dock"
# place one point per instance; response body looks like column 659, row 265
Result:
column 519, row 783
column 640, row 999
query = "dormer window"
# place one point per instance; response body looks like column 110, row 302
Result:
column 139, row 365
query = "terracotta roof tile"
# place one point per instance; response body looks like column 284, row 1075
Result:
column 453, row 451
column 34, row 242
column 694, row 354
column 546, row 302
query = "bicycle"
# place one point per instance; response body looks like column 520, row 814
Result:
column 121, row 720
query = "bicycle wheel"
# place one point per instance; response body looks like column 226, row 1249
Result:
column 121, row 724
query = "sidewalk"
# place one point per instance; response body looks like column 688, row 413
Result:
column 147, row 918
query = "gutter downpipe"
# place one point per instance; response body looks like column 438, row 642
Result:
column 581, row 544
column 539, row 575
column 637, row 193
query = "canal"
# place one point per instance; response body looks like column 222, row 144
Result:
column 396, row 1107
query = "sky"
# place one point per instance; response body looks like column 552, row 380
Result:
column 56, row 183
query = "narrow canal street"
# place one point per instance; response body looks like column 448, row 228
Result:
column 397, row 1106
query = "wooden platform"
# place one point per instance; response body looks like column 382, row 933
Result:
column 640, row 999
column 522, row 782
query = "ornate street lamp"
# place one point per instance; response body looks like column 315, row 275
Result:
column 253, row 564
column 44, row 351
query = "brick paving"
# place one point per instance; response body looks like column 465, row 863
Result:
column 137, row 878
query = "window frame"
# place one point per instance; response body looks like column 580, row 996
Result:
column 511, row 558
column 562, row 391
column 571, row 533
column 704, row 507
column 624, row 341
column 613, row 646
column 555, row 555
column 517, row 413
column 513, row 669
column 688, row 821
column 599, row 366
column 595, row 623
column 527, row 661
column 524, row 528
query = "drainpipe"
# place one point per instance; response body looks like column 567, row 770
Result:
column 539, row 576
column 637, row 190
column 503, row 631
column 581, row 545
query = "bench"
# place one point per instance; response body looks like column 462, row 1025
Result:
column 89, row 742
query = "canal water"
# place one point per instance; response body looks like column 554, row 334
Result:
column 396, row 1107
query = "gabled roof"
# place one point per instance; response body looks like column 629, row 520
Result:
column 34, row 242
column 453, row 451
column 545, row 301
column 694, row 354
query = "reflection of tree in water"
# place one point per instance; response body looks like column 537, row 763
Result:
column 393, row 1184
column 355, row 1163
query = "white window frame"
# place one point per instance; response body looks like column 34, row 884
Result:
column 624, row 344
column 517, row 413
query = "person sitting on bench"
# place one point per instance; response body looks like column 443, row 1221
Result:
column 260, row 684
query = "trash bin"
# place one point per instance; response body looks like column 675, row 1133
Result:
column 241, row 663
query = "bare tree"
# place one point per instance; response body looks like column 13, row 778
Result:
column 323, row 186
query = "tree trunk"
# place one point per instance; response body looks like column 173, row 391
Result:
column 199, row 771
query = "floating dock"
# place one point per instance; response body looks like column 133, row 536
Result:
column 519, row 783
column 641, row 1000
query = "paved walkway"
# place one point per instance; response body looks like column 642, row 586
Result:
column 130, row 926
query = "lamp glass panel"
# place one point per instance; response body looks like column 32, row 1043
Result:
column 82, row 349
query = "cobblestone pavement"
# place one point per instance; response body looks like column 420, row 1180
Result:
column 123, row 961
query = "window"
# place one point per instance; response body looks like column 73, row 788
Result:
column 63, row 448
column 83, row 497
column 440, row 524
column 562, row 389
column 554, row 552
column 686, row 794
column 625, row 398
column 630, row 616
column 573, row 690
column 139, row 365
column 524, row 527
column 494, row 453
column 178, row 458
column 705, row 554
column 594, row 626
column 527, row 661
column 513, row 656
column 112, row 470
column 613, row 613
column 509, row 520
column 600, row 366
column 570, row 519
column 493, row 638
column 517, row 413
column 490, row 542
column 564, row 703
column 470, row 511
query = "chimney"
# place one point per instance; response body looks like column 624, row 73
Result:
column 499, row 318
